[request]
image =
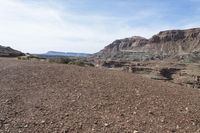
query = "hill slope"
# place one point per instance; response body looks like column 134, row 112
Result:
column 9, row 52
column 166, row 43
column 42, row 97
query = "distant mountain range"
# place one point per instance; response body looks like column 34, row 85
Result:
column 9, row 52
column 56, row 53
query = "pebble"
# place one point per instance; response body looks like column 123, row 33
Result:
column 106, row 124
column 150, row 112
column 43, row 121
column 177, row 127
column 26, row 126
column 187, row 110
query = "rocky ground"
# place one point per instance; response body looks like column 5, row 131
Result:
column 184, row 74
column 42, row 97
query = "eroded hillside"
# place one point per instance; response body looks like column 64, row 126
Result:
column 171, row 43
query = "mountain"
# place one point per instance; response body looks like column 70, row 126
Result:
column 9, row 52
column 170, row 43
column 55, row 53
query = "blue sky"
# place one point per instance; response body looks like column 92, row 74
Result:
column 37, row 26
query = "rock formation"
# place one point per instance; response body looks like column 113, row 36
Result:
column 9, row 52
column 169, row 43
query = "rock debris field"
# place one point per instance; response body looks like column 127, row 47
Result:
column 39, row 97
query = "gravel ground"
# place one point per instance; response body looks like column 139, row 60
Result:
column 39, row 97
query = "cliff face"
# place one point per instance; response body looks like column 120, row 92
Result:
column 133, row 43
column 9, row 52
column 168, row 43
column 175, row 42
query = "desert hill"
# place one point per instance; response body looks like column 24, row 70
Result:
column 171, row 43
column 9, row 52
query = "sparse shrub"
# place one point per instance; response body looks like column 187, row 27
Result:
column 29, row 57
column 78, row 63
column 71, row 61
column 168, row 72
column 23, row 58
column 60, row 60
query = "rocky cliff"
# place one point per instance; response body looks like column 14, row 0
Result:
column 171, row 43
column 9, row 52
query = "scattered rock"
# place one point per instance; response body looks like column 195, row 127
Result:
column 135, row 131
column 163, row 99
column 25, row 126
column 106, row 124
column 43, row 121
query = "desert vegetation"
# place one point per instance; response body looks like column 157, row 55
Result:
column 79, row 61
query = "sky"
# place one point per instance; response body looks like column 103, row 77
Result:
column 38, row 26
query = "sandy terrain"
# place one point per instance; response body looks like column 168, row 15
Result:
column 41, row 97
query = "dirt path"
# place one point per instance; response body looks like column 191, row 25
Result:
column 41, row 97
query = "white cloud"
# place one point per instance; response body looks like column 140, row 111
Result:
column 39, row 27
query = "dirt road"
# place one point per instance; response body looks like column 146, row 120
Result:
column 41, row 97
